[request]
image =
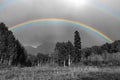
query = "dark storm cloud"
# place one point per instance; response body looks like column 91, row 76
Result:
column 26, row 10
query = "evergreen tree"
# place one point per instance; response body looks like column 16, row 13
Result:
column 42, row 58
column 77, row 45
column 77, row 40
column 20, row 57
column 62, row 53
column 65, row 52
column 11, row 47
column 32, row 60
column 3, row 44
column 11, row 51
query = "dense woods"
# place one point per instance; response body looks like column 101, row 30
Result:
column 65, row 53
column 11, row 51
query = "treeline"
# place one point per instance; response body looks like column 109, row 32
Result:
column 105, row 48
column 11, row 51
column 65, row 53
column 69, row 53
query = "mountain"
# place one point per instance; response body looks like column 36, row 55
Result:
column 45, row 48
column 30, row 49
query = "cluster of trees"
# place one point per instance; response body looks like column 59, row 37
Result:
column 66, row 53
column 72, row 53
column 37, row 60
column 11, row 51
column 109, row 48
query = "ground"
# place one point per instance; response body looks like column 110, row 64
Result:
column 60, row 73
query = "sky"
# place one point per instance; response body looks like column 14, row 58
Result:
column 103, row 15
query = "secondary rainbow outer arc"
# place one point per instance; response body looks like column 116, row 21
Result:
column 102, row 35
column 6, row 3
column 106, row 9
column 95, row 3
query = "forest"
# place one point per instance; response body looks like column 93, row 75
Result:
column 66, row 54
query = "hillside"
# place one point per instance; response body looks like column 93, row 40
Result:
column 45, row 48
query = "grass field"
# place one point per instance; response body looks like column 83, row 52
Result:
column 60, row 73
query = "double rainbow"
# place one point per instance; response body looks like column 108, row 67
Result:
column 71, row 22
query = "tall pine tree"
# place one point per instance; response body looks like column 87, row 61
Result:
column 77, row 45
column 3, row 43
column 77, row 40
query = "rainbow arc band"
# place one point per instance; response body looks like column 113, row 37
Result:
column 71, row 22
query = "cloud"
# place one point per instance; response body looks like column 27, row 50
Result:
column 26, row 10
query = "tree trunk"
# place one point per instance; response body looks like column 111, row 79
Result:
column 1, row 60
column 9, row 62
column 64, row 63
column 69, row 61
column 38, row 64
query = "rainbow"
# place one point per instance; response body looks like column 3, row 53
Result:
column 6, row 3
column 106, row 9
column 71, row 22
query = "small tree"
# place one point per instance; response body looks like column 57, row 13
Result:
column 62, row 53
column 65, row 52
column 42, row 58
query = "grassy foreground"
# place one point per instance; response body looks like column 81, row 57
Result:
column 60, row 73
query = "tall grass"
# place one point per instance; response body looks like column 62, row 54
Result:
column 60, row 73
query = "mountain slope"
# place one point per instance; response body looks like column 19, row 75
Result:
column 45, row 48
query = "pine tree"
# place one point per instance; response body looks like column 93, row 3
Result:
column 11, row 51
column 3, row 42
column 77, row 45
column 11, row 47
column 20, row 57
column 77, row 40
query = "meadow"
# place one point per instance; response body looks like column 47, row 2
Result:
column 60, row 73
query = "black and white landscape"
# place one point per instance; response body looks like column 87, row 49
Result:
column 58, row 49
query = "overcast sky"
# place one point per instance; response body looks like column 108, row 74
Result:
column 103, row 15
